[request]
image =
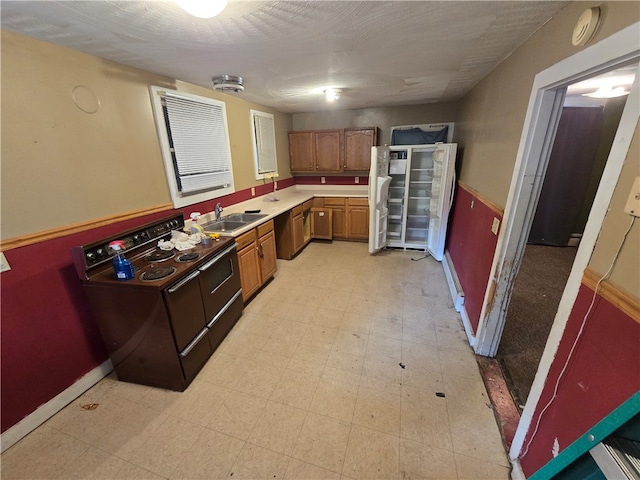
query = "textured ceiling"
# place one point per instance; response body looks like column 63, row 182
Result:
column 379, row 53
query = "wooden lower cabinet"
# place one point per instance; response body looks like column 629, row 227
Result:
column 291, row 231
column 321, row 223
column 350, row 218
column 358, row 219
column 256, row 258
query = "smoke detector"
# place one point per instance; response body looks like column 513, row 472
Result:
column 228, row 82
column 586, row 26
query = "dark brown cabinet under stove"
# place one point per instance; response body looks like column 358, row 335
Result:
column 161, row 333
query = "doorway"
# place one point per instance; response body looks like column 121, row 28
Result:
column 580, row 150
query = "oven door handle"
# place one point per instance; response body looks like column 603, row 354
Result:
column 224, row 309
column 217, row 258
column 182, row 282
column 193, row 343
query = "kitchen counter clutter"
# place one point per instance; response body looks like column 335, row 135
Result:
column 287, row 199
column 287, row 225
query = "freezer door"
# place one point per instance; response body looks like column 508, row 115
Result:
column 378, row 194
column 378, row 221
column 441, row 198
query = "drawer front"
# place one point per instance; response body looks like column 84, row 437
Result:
column 306, row 206
column 265, row 228
column 246, row 239
column 297, row 210
column 337, row 201
column 359, row 201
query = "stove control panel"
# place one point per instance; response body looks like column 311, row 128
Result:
column 90, row 256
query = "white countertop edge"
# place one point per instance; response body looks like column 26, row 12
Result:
column 287, row 199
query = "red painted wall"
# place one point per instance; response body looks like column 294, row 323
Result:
column 471, row 246
column 603, row 372
column 49, row 338
column 331, row 180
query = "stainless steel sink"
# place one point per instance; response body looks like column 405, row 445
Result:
column 233, row 221
column 245, row 217
column 223, row 226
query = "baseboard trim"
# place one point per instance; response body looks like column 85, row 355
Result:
column 457, row 295
column 47, row 410
column 516, row 470
column 467, row 327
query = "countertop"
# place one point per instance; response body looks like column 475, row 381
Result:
column 287, row 199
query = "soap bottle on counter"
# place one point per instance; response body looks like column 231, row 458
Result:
column 121, row 266
column 195, row 228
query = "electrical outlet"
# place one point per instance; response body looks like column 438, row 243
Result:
column 323, row 180
column 495, row 226
column 357, row 180
column 4, row 265
column 253, row 191
column 633, row 202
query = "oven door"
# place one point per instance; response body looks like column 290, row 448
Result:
column 219, row 281
column 186, row 312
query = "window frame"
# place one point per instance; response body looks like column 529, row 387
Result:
column 256, row 154
column 178, row 198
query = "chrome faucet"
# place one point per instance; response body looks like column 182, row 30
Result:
column 218, row 210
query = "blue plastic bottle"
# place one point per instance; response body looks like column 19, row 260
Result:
column 121, row 266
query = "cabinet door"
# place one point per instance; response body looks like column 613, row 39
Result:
column 328, row 150
column 357, row 148
column 321, row 223
column 301, row 150
column 249, row 270
column 267, row 254
column 298, row 232
column 358, row 223
column 339, row 221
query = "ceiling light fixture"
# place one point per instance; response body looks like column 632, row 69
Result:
column 202, row 8
column 332, row 94
column 607, row 91
column 228, row 82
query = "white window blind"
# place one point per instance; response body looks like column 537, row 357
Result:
column 264, row 143
column 194, row 139
column 199, row 140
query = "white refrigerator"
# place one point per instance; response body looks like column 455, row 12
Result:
column 410, row 195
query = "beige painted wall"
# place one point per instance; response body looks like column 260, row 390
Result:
column 490, row 120
column 384, row 118
column 62, row 166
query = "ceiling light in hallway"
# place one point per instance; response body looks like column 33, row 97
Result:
column 202, row 8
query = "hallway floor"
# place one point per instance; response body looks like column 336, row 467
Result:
column 346, row 366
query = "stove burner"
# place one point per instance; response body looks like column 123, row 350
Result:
column 159, row 256
column 157, row 273
column 188, row 257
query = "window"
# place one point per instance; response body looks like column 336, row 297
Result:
column 264, row 144
column 194, row 140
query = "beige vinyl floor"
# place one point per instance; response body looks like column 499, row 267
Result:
column 346, row 366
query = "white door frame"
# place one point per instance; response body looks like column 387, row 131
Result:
column 541, row 121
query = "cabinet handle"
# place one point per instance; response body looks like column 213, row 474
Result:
column 217, row 258
column 174, row 288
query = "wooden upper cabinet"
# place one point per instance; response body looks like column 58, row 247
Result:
column 332, row 151
column 301, row 152
column 357, row 148
column 328, row 150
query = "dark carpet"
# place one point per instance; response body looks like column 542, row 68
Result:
column 534, row 302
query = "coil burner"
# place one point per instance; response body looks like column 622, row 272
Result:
column 157, row 273
column 188, row 257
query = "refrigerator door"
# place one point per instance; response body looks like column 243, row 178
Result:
column 442, row 190
column 378, row 194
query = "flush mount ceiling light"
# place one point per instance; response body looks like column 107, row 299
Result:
column 228, row 82
column 607, row 91
column 332, row 94
column 202, row 8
